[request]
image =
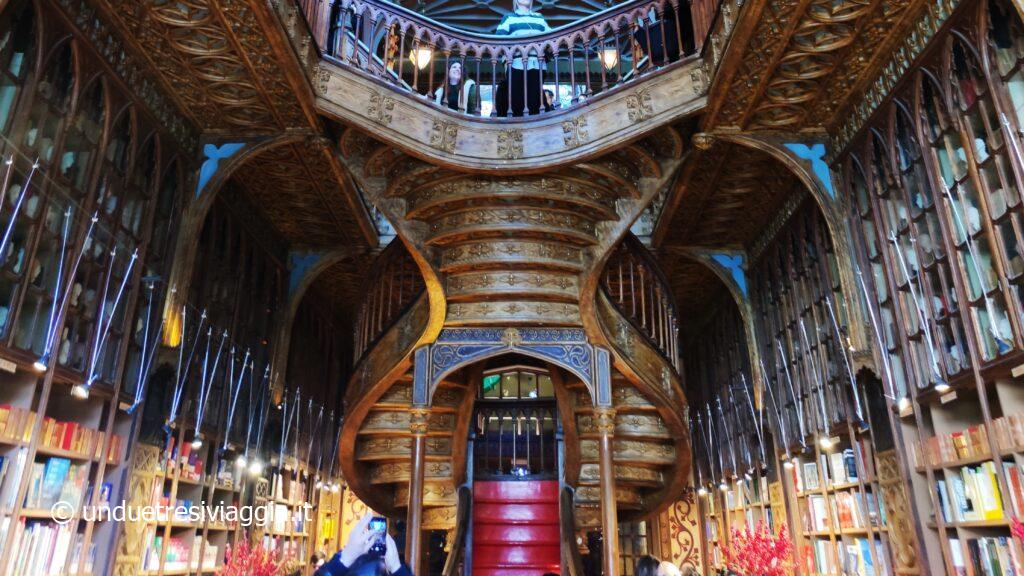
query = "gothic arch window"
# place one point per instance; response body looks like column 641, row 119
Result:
column 85, row 133
column 51, row 103
column 18, row 45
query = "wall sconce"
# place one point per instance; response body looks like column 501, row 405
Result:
column 420, row 57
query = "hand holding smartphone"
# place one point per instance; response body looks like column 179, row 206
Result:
column 378, row 529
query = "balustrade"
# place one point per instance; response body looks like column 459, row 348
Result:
column 395, row 284
column 563, row 67
column 637, row 288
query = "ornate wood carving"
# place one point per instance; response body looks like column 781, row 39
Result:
column 897, row 508
column 131, row 544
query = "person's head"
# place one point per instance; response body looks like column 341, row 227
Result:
column 455, row 73
column 646, row 566
column 523, row 5
column 667, row 568
column 549, row 97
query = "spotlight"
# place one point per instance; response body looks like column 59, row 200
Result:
column 941, row 387
column 787, row 462
column 335, row 487
column 723, row 486
column 197, row 442
column 826, row 443
column 319, row 485
column 80, row 391
column 240, row 462
column 256, row 468
column 903, row 404
column 702, row 491
column 42, row 363
column 739, row 481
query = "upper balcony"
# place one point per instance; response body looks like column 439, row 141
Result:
column 498, row 102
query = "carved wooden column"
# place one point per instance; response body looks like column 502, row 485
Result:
column 605, row 419
column 414, row 521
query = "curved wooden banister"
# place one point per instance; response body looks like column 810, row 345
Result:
column 463, row 514
column 394, row 285
column 575, row 62
column 572, row 561
column 639, row 290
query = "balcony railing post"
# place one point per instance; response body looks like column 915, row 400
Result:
column 526, row 82
column 401, row 54
column 494, row 86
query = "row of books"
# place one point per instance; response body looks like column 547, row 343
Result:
column 746, row 494
column 16, row 424
column 191, row 461
column 287, row 488
column 993, row 556
column 972, row 495
column 837, row 468
column 852, row 557
column 43, row 549
column 286, row 548
column 282, row 519
column 182, row 553
column 1009, row 432
column 971, row 443
column 56, row 480
column 74, row 437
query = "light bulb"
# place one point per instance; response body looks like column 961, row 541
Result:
column 702, row 491
column 825, row 442
column 723, row 487
column 941, row 387
column 256, row 468
column 80, row 391
column 421, row 57
column 788, row 463
column 41, row 364
column 610, row 57
column 903, row 404
column 240, row 462
column 197, row 443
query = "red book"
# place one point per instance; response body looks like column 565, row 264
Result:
column 69, row 434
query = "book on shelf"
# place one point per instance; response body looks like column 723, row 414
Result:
column 993, row 556
column 810, row 476
column 817, row 509
column 43, row 548
column 16, row 423
column 56, row 480
column 1009, row 432
column 973, row 494
column 968, row 444
column 858, row 558
column 956, row 555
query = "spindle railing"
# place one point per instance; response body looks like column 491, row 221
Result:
column 393, row 287
column 564, row 67
column 637, row 288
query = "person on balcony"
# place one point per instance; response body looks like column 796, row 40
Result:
column 521, row 87
column 458, row 94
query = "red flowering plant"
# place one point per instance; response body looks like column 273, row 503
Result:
column 1017, row 530
column 759, row 552
column 247, row 560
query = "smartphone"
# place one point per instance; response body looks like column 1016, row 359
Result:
column 379, row 528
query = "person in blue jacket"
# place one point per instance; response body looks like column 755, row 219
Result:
column 355, row 558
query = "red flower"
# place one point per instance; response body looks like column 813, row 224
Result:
column 248, row 560
column 759, row 552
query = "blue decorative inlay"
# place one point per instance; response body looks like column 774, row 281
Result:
column 816, row 155
column 457, row 347
column 214, row 154
column 734, row 264
column 299, row 263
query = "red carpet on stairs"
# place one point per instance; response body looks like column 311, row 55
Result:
column 515, row 528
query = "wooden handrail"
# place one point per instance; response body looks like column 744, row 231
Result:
column 463, row 513
column 393, row 287
column 638, row 289
column 572, row 561
column 413, row 53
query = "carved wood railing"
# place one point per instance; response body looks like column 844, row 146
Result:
column 453, row 565
column 639, row 291
column 391, row 289
column 413, row 53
